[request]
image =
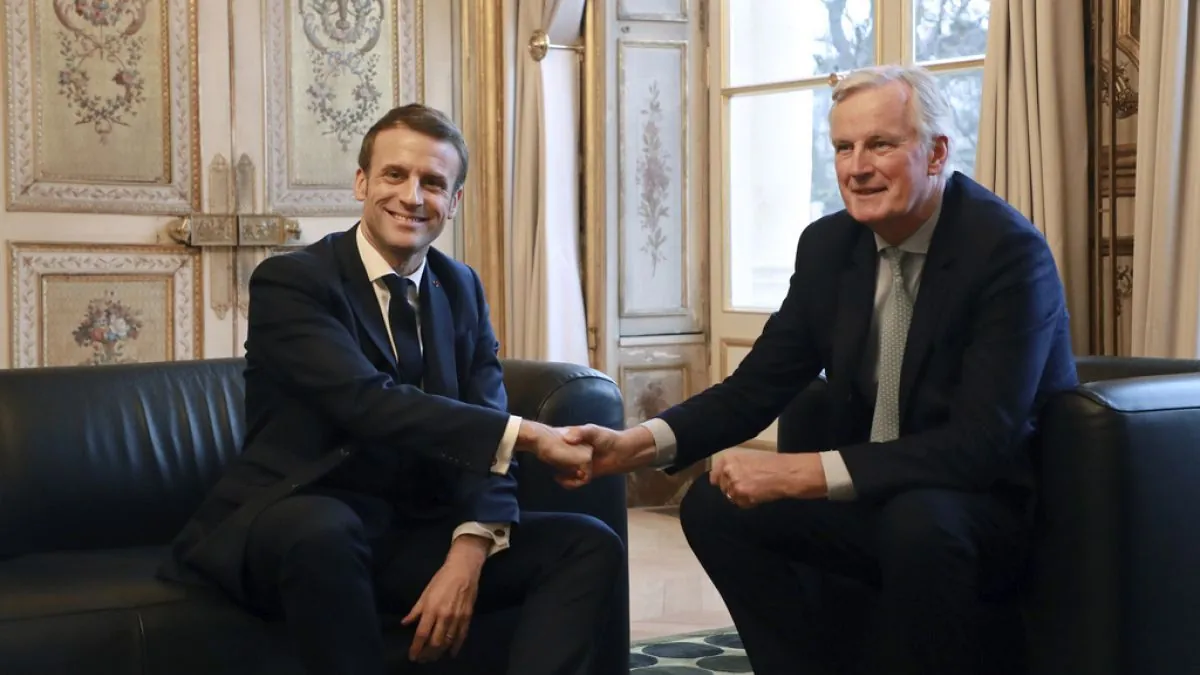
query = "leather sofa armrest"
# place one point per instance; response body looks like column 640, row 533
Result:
column 561, row 394
column 1115, row 588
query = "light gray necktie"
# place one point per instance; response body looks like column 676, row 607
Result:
column 893, row 334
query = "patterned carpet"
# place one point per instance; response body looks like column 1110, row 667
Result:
column 706, row 653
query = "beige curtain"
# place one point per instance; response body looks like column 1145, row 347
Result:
column 548, row 321
column 1033, row 137
column 1166, row 227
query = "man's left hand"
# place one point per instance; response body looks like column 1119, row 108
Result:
column 752, row 477
column 448, row 602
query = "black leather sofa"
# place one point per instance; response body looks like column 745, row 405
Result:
column 1114, row 580
column 100, row 467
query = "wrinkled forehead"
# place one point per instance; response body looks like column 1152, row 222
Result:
column 883, row 110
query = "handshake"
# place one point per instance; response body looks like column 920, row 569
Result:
column 582, row 453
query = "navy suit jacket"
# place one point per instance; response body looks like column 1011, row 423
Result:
column 988, row 343
column 325, row 412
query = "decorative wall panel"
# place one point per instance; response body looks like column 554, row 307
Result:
column 112, row 82
column 652, row 10
column 333, row 67
column 652, row 378
column 653, row 178
column 77, row 304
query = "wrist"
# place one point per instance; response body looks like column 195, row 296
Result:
column 643, row 451
column 528, row 433
column 803, row 476
column 469, row 548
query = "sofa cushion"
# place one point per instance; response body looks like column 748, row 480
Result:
column 121, row 619
column 52, row 584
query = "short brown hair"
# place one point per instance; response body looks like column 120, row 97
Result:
column 423, row 120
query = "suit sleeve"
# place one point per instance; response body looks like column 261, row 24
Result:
column 1020, row 308
column 296, row 339
column 781, row 363
column 491, row 499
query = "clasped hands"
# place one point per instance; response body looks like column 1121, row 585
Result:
column 746, row 477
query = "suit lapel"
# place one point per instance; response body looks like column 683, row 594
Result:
column 937, row 280
column 855, row 305
column 437, row 327
column 362, row 296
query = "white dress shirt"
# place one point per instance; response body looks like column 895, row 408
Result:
column 378, row 268
column 837, row 476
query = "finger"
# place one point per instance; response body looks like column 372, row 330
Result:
column 459, row 628
column 460, row 639
column 415, row 612
column 573, row 435
column 571, row 482
column 421, row 639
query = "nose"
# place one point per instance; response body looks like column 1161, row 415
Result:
column 860, row 164
column 410, row 192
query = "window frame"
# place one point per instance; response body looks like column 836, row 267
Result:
column 895, row 41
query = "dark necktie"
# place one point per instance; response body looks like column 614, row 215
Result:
column 403, row 320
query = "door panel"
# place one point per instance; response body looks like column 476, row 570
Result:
column 657, row 150
column 111, row 259
column 104, row 142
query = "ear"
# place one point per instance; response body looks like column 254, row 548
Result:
column 454, row 202
column 360, row 185
column 939, row 154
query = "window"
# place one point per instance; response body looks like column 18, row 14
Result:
column 775, row 90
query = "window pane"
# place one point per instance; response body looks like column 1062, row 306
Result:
column 782, row 40
column 948, row 29
column 964, row 90
column 780, row 179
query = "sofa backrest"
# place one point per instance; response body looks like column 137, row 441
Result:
column 111, row 456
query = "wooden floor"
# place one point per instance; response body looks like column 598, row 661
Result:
column 669, row 593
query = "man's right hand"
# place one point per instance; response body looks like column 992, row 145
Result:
column 613, row 452
column 573, row 460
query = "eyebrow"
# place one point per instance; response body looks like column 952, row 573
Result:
column 433, row 176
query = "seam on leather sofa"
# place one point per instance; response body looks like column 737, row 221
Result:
column 595, row 375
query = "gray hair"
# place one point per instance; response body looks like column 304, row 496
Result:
column 931, row 112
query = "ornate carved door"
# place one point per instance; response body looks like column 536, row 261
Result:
column 159, row 149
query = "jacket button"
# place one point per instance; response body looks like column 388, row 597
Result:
column 498, row 533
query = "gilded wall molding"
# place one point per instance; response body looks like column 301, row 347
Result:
column 594, row 185
column 482, row 96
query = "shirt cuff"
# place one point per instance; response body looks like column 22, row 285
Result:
column 507, row 442
column 664, row 442
column 837, row 476
column 497, row 532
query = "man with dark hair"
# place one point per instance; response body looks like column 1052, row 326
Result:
column 378, row 472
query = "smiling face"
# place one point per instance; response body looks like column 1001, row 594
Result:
column 888, row 175
column 409, row 190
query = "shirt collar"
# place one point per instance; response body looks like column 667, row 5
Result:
column 917, row 242
column 376, row 266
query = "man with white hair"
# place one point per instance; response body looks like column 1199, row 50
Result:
column 936, row 312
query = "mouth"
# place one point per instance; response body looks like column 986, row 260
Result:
column 868, row 192
column 406, row 219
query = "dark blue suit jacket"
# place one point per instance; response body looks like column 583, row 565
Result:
column 325, row 413
column 988, row 343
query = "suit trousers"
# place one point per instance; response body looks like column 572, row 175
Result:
column 309, row 561
column 907, row 586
